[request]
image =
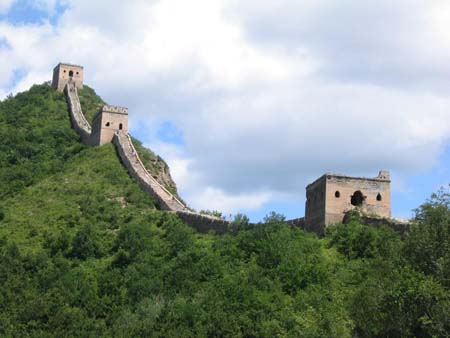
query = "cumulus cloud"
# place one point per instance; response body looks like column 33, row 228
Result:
column 267, row 95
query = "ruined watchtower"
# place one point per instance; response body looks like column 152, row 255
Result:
column 332, row 195
column 64, row 72
column 107, row 121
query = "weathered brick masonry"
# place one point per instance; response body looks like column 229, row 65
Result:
column 136, row 169
column 331, row 196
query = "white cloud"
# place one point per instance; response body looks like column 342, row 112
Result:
column 5, row 5
column 268, row 95
column 215, row 199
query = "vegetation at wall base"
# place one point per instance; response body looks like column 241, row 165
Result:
column 85, row 253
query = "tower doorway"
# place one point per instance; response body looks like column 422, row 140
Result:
column 357, row 198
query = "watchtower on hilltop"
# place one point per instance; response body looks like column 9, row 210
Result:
column 65, row 72
column 331, row 196
column 109, row 120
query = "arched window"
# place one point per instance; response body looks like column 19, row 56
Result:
column 337, row 194
column 71, row 73
column 379, row 198
column 120, row 126
column 357, row 198
column 107, row 124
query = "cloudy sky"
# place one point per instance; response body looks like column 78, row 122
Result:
column 248, row 101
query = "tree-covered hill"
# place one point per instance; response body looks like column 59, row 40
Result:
column 85, row 253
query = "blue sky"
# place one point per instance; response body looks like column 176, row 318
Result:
column 250, row 101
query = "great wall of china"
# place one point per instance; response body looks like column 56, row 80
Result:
column 324, row 204
column 130, row 159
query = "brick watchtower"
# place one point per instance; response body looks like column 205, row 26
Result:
column 331, row 196
column 107, row 121
column 64, row 72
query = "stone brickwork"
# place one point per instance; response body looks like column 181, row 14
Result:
column 106, row 122
column 315, row 205
column 204, row 223
column 79, row 122
column 65, row 72
column 331, row 196
column 136, row 169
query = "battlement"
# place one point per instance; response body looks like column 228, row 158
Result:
column 383, row 175
column 115, row 109
column 67, row 65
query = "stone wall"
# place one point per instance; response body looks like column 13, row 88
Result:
column 204, row 223
column 297, row 222
column 133, row 163
column 315, row 205
column 79, row 122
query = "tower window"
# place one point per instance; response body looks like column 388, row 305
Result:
column 337, row 194
column 120, row 126
column 107, row 124
column 71, row 73
column 379, row 198
column 357, row 198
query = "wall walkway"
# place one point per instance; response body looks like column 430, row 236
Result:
column 79, row 122
column 137, row 170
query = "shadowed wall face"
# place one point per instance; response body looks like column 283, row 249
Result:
column 64, row 72
column 315, row 205
column 331, row 196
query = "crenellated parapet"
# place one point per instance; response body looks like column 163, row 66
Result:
column 114, row 109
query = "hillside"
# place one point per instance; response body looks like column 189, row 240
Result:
column 85, row 253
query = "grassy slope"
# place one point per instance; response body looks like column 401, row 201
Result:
column 50, row 180
column 92, row 188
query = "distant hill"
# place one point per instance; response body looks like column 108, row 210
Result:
column 85, row 253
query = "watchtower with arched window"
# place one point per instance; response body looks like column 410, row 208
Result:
column 64, row 72
column 109, row 120
column 331, row 196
